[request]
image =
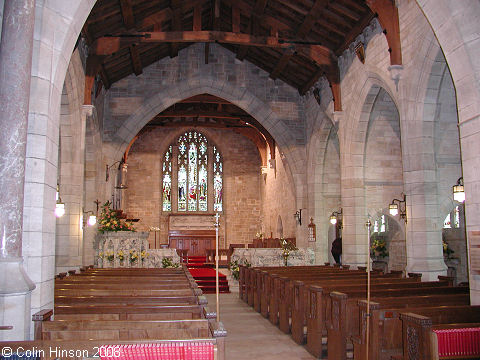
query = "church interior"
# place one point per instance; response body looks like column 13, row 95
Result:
column 254, row 133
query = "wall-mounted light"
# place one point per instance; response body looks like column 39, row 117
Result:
column 336, row 215
column 459, row 191
column 399, row 207
column 92, row 219
column 59, row 206
column 298, row 216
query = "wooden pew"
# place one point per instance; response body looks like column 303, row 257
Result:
column 417, row 327
column 285, row 298
column 385, row 335
column 124, row 329
column 138, row 312
column 299, row 313
column 342, row 319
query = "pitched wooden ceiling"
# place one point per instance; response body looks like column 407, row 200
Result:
column 296, row 41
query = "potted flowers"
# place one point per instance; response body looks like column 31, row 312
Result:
column 143, row 256
column 133, row 257
column 109, row 220
column 121, row 256
column 109, row 256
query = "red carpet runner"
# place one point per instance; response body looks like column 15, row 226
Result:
column 205, row 275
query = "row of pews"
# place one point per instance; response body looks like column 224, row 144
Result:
column 127, row 314
column 325, row 308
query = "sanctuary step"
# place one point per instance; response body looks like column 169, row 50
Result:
column 205, row 278
column 197, row 262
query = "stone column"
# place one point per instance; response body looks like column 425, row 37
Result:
column 15, row 72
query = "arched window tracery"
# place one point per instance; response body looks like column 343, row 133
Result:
column 197, row 183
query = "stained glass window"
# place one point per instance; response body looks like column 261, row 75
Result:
column 447, row 223
column 457, row 217
column 217, row 180
column 202, row 178
column 167, row 180
column 192, row 172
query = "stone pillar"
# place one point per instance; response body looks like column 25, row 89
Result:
column 470, row 137
column 15, row 72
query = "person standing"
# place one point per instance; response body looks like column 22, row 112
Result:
column 337, row 249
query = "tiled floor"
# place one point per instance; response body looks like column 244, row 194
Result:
column 250, row 335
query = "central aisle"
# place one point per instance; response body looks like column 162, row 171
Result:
column 250, row 335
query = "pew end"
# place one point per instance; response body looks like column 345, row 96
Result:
column 38, row 318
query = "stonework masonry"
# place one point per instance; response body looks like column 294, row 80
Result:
column 325, row 159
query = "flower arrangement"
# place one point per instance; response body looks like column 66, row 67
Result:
column 109, row 221
column 144, row 255
column 287, row 246
column 235, row 268
column 447, row 251
column 168, row 263
column 121, row 255
column 109, row 256
column 133, row 256
column 259, row 235
column 378, row 248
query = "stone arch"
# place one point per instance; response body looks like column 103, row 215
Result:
column 293, row 158
column 324, row 198
column 69, row 234
column 353, row 145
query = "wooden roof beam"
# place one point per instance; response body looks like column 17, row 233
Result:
column 216, row 15
column 201, row 113
column 282, row 63
column 177, row 13
column 332, row 73
column 103, row 75
column 197, row 18
column 388, row 18
column 343, row 10
column 110, row 45
column 311, row 18
column 127, row 14
column 257, row 16
column 357, row 30
column 136, row 61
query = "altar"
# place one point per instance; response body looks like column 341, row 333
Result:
column 272, row 257
column 128, row 249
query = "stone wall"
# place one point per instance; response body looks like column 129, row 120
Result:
column 278, row 202
column 241, row 217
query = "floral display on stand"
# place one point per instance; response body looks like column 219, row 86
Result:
column 260, row 235
column 447, row 251
column 378, row 249
column 287, row 246
column 109, row 220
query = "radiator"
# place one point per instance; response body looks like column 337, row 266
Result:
column 165, row 351
column 458, row 342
